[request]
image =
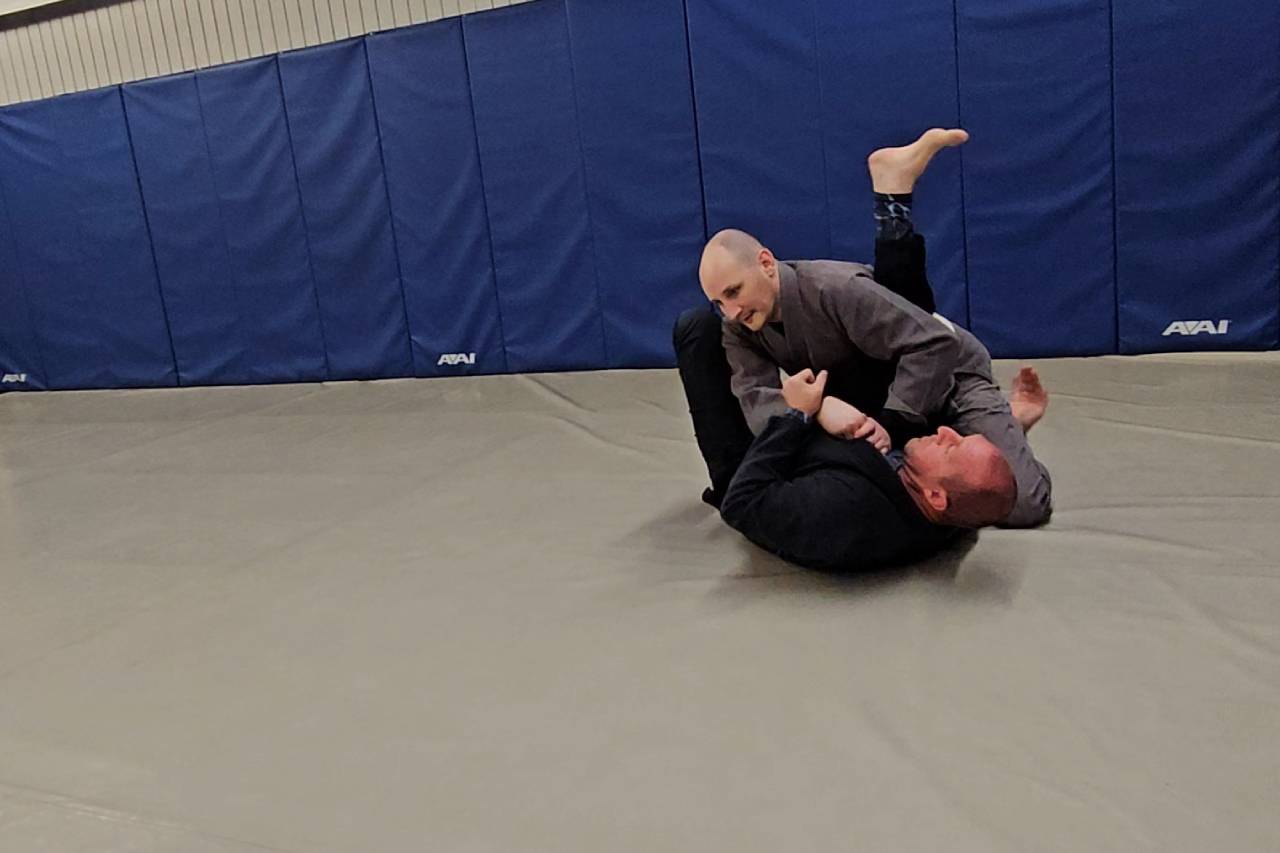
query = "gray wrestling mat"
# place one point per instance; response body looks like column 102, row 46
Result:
column 491, row 614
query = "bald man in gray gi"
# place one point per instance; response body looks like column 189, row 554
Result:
column 887, row 358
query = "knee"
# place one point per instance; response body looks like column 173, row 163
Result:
column 693, row 325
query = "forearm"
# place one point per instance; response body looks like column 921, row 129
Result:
column 902, row 428
column 754, row 381
column 760, row 404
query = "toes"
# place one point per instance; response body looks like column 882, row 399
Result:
column 943, row 136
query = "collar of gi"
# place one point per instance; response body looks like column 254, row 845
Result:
column 788, row 292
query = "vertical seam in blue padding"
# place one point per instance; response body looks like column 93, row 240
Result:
column 1115, row 200
column 302, row 212
column 146, row 221
column 697, row 138
column 586, row 184
column 822, row 136
column 217, row 197
column 22, row 290
column 964, row 213
column 1277, row 160
column 484, row 195
column 391, row 217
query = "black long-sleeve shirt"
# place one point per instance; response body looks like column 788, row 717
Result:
column 825, row 503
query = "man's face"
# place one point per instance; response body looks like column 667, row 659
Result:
column 743, row 292
column 946, row 455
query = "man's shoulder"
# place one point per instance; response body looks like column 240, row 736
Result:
column 848, row 490
column 865, row 471
column 823, row 274
column 861, row 469
column 827, row 283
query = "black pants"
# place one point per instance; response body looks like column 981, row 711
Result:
column 718, row 423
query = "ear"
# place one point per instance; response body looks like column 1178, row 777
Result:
column 767, row 260
column 936, row 497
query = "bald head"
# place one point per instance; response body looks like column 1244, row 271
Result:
column 737, row 245
column 740, row 277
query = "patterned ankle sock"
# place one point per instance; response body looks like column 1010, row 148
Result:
column 893, row 215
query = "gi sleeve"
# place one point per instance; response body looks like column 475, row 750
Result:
column 754, row 380
column 885, row 326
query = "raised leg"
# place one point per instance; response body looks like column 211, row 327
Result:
column 718, row 423
column 900, row 252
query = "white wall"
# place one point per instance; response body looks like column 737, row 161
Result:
column 73, row 46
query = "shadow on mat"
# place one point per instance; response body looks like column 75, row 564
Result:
column 942, row 571
column 695, row 527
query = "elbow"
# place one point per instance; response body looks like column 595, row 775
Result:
column 949, row 348
column 738, row 506
column 732, row 509
column 1034, row 504
column 758, row 407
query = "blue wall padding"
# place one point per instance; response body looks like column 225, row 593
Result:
column 428, row 136
column 883, row 91
column 635, row 115
column 329, row 103
column 527, row 129
column 83, row 256
column 756, row 82
column 281, row 335
column 1197, row 92
column 19, row 351
column 217, row 176
column 529, row 188
column 204, row 306
column 1035, row 93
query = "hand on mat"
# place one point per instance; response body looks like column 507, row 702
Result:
column 803, row 391
column 845, row 421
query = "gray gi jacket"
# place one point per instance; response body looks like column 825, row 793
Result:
column 835, row 317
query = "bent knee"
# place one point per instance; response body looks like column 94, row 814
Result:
column 693, row 324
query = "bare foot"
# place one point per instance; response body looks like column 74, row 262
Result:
column 896, row 170
column 1027, row 398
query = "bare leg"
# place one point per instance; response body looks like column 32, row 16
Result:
column 896, row 170
column 1027, row 398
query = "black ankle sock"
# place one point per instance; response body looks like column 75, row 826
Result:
column 893, row 215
